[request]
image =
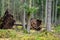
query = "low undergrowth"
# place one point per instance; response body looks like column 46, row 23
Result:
column 35, row 35
column 7, row 33
column 12, row 34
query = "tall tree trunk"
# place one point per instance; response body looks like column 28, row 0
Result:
column 29, row 18
column 42, row 9
column 53, row 13
column 56, row 13
column 48, row 12
column 23, row 14
column 24, row 18
column 2, row 11
column 28, row 25
column 14, row 10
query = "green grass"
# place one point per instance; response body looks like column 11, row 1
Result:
column 11, row 34
column 7, row 33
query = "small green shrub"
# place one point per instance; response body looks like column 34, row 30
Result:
column 57, row 29
column 25, row 31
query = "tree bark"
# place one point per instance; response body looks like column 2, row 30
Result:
column 53, row 13
column 2, row 11
column 56, row 13
column 29, row 18
column 48, row 16
column 42, row 7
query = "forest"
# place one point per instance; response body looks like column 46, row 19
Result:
column 29, row 19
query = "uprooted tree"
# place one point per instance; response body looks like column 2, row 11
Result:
column 7, row 21
column 35, row 24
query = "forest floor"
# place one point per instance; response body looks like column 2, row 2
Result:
column 12, row 34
